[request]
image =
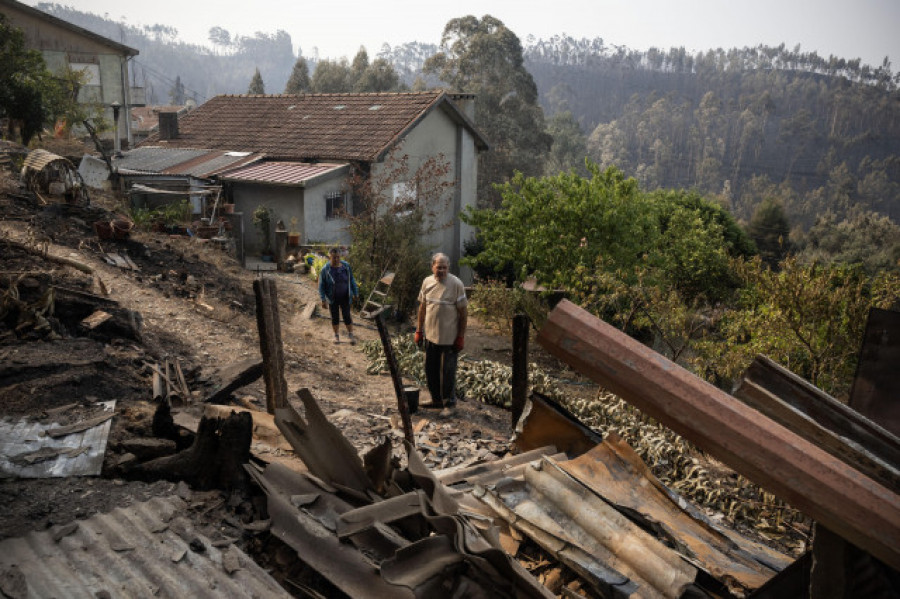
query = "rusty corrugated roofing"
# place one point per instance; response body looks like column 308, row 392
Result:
column 310, row 126
column 286, row 173
column 144, row 550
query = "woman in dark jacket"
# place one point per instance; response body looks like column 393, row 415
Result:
column 337, row 288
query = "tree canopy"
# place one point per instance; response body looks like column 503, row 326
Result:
column 25, row 83
column 256, row 84
column 483, row 57
column 298, row 82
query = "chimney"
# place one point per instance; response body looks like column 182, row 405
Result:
column 168, row 125
column 466, row 103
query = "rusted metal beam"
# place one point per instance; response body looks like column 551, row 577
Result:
column 802, row 474
column 820, row 419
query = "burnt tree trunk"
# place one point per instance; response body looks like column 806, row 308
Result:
column 214, row 461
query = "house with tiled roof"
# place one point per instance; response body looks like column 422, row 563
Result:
column 105, row 62
column 310, row 143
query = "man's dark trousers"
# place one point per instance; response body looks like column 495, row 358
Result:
column 440, row 372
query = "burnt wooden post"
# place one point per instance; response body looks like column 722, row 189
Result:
column 270, row 343
column 519, row 366
column 395, row 376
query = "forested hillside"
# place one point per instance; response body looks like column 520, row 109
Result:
column 742, row 125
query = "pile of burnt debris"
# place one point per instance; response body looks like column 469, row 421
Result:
column 565, row 513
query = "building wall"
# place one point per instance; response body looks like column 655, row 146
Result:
column 307, row 205
column 437, row 134
column 62, row 46
column 284, row 202
column 319, row 228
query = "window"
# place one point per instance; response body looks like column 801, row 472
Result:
column 405, row 199
column 334, row 205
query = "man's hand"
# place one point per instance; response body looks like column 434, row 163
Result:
column 419, row 338
column 459, row 343
column 325, row 304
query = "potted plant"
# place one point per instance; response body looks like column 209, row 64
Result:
column 293, row 234
column 262, row 220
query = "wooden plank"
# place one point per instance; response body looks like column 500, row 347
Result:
column 395, row 377
column 95, row 320
column 830, row 414
column 270, row 345
column 846, row 501
column 800, row 422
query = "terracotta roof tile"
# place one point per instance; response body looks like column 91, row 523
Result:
column 307, row 126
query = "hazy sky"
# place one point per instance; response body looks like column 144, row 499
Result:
column 866, row 29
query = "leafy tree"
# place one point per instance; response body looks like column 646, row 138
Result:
column 865, row 238
column 177, row 95
column 546, row 228
column 25, row 82
column 697, row 241
column 220, row 37
column 257, row 87
column 299, row 82
column 769, row 229
column 359, row 65
column 569, row 147
column 484, row 57
column 379, row 76
column 390, row 231
column 809, row 318
column 332, row 77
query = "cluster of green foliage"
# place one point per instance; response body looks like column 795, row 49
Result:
column 32, row 95
column 559, row 229
column 676, row 271
column 483, row 57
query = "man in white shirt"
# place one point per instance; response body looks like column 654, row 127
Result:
column 441, row 327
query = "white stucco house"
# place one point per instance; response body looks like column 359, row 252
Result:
column 309, row 145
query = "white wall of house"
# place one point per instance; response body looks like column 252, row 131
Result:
column 437, row 134
column 306, row 204
column 284, row 202
column 319, row 227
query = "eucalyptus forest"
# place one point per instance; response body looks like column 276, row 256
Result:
column 716, row 205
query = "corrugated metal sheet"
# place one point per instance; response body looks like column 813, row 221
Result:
column 144, row 550
column 285, row 173
column 27, row 451
column 38, row 159
column 211, row 164
column 155, row 160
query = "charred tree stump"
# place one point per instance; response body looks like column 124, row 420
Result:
column 214, row 461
